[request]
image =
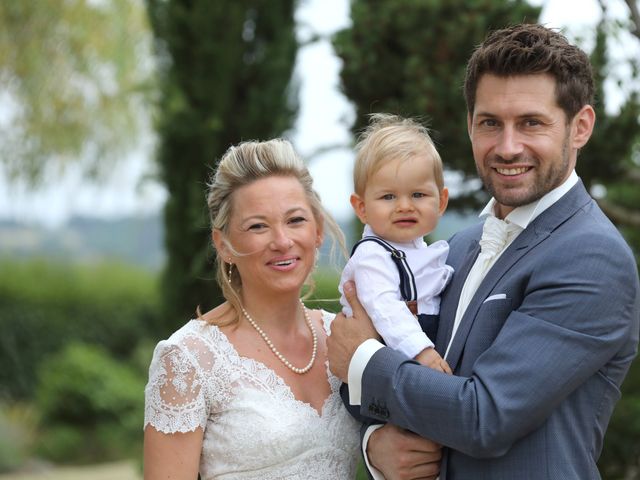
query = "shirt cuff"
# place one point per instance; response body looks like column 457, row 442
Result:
column 357, row 365
column 414, row 344
column 375, row 473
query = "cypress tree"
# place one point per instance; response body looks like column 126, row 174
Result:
column 225, row 69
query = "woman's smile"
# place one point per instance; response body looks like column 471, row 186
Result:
column 284, row 263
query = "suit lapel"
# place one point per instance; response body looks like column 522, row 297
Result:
column 520, row 247
column 448, row 308
column 534, row 234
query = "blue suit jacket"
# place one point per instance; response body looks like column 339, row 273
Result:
column 538, row 358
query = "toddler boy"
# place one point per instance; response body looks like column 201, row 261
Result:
column 399, row 196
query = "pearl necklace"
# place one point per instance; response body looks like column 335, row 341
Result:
column 275, row 351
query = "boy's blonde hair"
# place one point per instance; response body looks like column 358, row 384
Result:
column 392, row 137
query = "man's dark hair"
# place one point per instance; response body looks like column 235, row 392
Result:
column 530, row 49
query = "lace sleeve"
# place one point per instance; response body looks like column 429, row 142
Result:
column 327, row 318
column 175, row 400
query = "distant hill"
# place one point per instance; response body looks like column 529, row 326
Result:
column 136, row 240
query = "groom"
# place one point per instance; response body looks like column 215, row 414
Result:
column 540, row 323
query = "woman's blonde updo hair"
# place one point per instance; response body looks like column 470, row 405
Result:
column 243, row 164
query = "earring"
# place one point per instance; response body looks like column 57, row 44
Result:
column 317, row 258
column 230, row 272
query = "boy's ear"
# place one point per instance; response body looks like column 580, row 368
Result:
column 358, row 206
column 444, row 199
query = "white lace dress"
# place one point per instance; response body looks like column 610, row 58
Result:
column 254, row 428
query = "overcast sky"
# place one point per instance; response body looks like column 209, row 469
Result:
column 324, row 120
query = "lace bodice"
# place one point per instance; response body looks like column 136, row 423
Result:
column 254, row 427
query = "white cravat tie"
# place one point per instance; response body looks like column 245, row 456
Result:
column 496, row 236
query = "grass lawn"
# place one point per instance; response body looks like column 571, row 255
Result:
column 127, row 470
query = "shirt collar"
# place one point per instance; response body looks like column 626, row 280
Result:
column 368, row 232
column 525, row 214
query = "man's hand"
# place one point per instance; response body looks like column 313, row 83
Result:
column 400, row 454
column 348, row 333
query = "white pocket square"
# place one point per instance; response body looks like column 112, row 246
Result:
column 497, row 296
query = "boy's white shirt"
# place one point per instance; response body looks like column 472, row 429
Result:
column 371, row 265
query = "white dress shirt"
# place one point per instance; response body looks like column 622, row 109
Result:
column 497, row 235
column 374, row 271
column 521, row 216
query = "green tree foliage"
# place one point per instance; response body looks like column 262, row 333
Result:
column 91, row 406
column 613, row 155
column 72, row 82
column 409, row 57
column 225, row 67
column 615, row 134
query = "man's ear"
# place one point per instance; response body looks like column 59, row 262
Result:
column 357, row 202
column 469, row 120
column 444, row 199
column 583, row 124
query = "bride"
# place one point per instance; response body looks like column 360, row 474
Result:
column 244, row 391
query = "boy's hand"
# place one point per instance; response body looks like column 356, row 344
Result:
column 432, row 359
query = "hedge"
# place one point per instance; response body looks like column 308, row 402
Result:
column 45, row 305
